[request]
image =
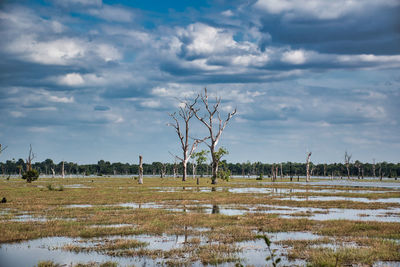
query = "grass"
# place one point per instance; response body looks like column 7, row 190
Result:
column 44, row 199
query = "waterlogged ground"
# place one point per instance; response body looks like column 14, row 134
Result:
column 169, row 222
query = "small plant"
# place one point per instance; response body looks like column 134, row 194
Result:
column 272, row 252
column 260, row 177
column 51, row 188
column 30, row 175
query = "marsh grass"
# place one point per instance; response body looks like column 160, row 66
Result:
column 222, row 231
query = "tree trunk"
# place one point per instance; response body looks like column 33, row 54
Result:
column 140, row 170
column 184, row 163
column 214, row 166
column 62, row 170
column 308, row 167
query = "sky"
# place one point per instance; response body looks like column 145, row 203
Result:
column 85, row 80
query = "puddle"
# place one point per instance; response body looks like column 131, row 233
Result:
column 42, row 249
column 79, row 206
column 76, row 186
column 28, row 218
column 336, row 198
column 120, row 225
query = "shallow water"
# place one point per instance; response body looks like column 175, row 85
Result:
column 337, row 198
column 253, row 252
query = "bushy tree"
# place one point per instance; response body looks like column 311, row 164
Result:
column 30, row 175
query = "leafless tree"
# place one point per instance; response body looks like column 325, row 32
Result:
column 214, row 132
column 163, row 170
column 358, row 166
column 347, row 160
column 140, row 170
column 2, row 148
column 53, row 173
column 373, row 168
column 62, row 170
column 281, row 171
column 31, row 156
column 186, row 113
column 308, row 166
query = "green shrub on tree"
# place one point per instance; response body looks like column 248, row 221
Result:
column 30, row 174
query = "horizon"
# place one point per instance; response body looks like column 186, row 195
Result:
column 90, row 80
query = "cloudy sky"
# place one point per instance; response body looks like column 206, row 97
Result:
column 84, row 80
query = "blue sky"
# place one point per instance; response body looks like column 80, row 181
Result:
column 84, row 80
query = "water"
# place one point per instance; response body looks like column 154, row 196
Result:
column 43, row 249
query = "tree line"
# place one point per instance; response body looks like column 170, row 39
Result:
column 246, row 169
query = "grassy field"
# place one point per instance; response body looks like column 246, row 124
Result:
column 214, row 225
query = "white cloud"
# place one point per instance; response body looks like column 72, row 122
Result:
column 63, row 99
column 227, row 13
column 17, row 114
column 112, row 13
column 58, row 52
column 72, row 79
column 108, row 52
column 294, row 57
column 205, row 39
column 320, row 9
column 150, row 103
column 63, row 51
column 79, row 2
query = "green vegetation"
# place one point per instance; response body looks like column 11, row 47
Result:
column 31, row 175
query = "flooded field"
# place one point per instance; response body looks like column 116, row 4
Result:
column 170, row 222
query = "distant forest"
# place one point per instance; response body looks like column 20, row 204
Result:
column 357, row 169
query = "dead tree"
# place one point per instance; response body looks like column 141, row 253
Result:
column 358, row 166
column 31, row 156
column 140, row 170
column 2, row 148
column 175, row 169
column 163, row 170
column 347, row 159
column 62, row 170
column 186, row 113
column 214, row 134
column 53, row 173
column 308, row 167
column 373, row 168
column 281, row 172
column 324, row 170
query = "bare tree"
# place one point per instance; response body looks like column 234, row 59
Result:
column 214, row 133
column 31, row 156
column 53, row 173
column 347, row 160
column 140, row 170
column 373, row 168
column 163, row 170
column 186, row 113
column 281, row 172
column 308, row 166
column 62, row 170
column 2, row 148
column 358, row 166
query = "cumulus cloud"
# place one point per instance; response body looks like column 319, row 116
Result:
column 112, row 13
column 294, row 57
column 320, row 9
